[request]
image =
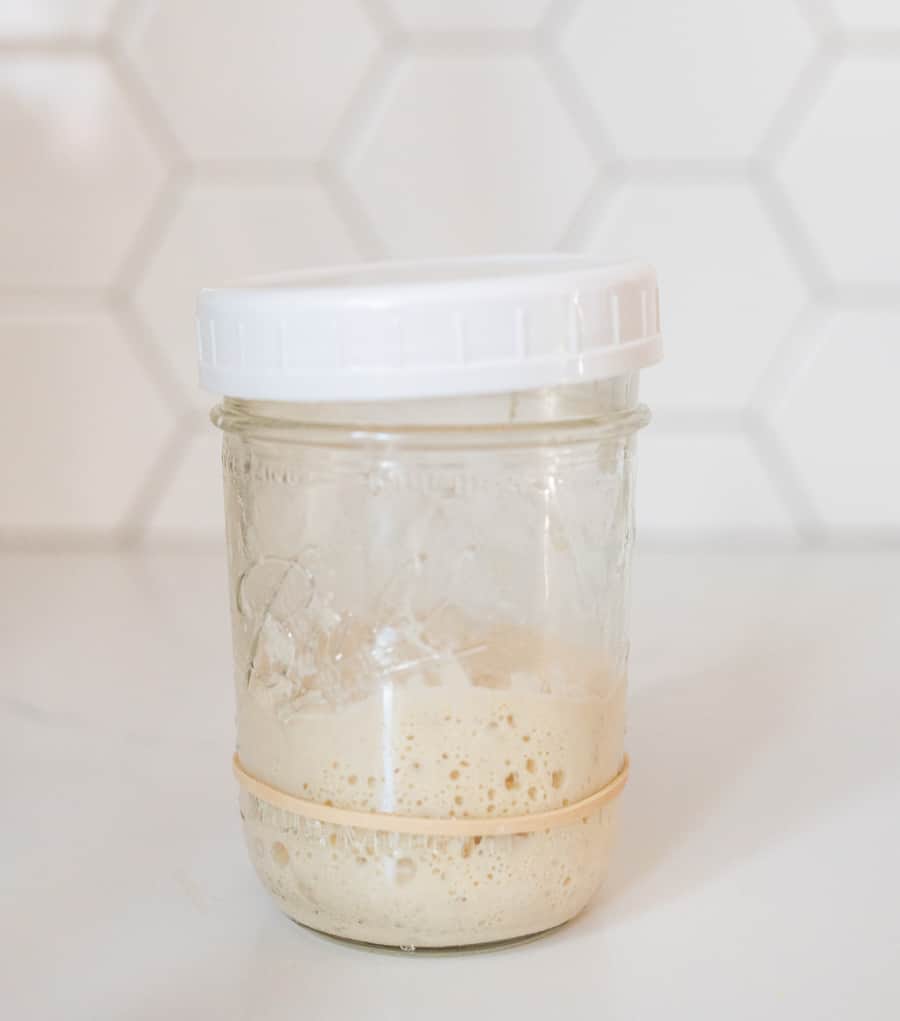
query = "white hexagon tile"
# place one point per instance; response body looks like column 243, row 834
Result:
column 749, row 150
column 54, row 19
column 870, row 15
column 240, row 80
column 838, row 416
column 729, row 291
column 100, row 425
column 706, row 485
column 695, row 79
column 78, row 176
column 841, row 169
column 191, row 507
column 467, row 153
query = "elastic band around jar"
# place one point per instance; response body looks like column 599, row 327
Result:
column 449, row 827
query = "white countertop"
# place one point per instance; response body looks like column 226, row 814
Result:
column 757, row 875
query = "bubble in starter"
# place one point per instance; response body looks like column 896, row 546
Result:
column 404, row 870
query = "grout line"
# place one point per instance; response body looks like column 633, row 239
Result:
column 681, row 421
column 182, row 544
column 52, row 301
column 556, row 20
column 55, row 541
column 838, row 542
column 160, row 475
column 870, row 540
column 148, row 355
column 786, row 481
column 363, row 109
column 873, row 43
column 587, row 119
column 820, row 16
column 461, row 43
column 382, row 19
column 353, row 214
column 122, row 296
column 795, row 349
column 880, row 295
column 449, row 41
column 574, row 100
column 798, row 104
column 154, row 228
column 121, row 18
column 693, row 170
column 51, row 46
column 354, row 128
column 589, row 213
column 794, row 237
column 798, row 346
column 252, row 171
column 750, row 541
column 877, row 541
column 142, row 101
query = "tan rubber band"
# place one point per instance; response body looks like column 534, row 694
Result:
column 391, row 823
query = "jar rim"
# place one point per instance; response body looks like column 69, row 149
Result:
column 240, row 416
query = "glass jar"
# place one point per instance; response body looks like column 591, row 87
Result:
column 429, row 604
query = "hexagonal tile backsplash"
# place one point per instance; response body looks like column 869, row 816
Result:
column 749, row 150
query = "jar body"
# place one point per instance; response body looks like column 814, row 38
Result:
column 429, row 605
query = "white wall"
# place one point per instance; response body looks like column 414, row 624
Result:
column 751, row 150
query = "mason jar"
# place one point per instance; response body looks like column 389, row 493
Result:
column 428, row 474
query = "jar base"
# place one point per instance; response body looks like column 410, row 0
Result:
column 391, row 890
column 490, row 947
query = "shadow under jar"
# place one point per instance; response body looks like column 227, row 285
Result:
column 428, row 488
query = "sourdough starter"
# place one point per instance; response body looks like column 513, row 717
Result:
column 436, row 744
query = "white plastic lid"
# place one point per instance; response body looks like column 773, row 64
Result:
column 428, row 329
